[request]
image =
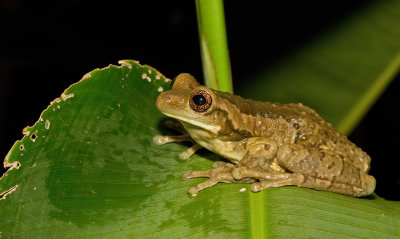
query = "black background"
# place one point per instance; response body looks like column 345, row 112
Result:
column 48, row 45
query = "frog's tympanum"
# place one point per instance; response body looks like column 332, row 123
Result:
column 267, row 144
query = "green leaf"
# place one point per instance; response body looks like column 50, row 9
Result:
column 342, row 72
column 92, row 171
column 214, row 45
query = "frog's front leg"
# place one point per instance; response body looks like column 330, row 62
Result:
column 164, row 139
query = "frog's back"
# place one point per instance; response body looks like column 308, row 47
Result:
column 305, row 120
column 312, row 131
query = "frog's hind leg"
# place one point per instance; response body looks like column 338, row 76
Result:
column 325, row 171
column 221, row 172
column 264, row 184
column 267, row 179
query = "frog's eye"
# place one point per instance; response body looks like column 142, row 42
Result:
column 200, row 100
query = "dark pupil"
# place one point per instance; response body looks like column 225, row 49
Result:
column 199, row 100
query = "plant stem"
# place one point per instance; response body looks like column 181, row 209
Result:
column 213, row 44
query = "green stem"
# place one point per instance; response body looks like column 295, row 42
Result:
column 213, row 44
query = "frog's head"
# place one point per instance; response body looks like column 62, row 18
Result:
column 193, row 105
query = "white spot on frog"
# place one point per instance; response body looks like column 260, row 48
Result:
column 47, row 124
column 34, row 188
column 149, row 71
column 58, row 107
column 158, row 77
column 160, row 89
column 148, row 79
column 144, row 76
column 242, row 190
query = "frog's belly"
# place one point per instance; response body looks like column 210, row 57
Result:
column 232, row 150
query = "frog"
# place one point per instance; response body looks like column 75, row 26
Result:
column 265, row 144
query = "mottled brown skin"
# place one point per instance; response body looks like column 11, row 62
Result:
column 268, row 144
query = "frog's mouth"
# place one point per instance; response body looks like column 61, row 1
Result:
column 212, row 128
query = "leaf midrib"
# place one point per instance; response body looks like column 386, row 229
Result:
column 257, row 217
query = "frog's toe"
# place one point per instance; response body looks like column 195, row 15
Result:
column 209, row 183
column 258, row 186
column 196, row 174
column 186, row 176
column 193, row 191
column 189, row 152
column 240, row 173
column 184, row 155
column 160, row 140
column 218, row 164
column 236, row 173
column 264, row 184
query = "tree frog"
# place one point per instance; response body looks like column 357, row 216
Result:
column 266, row 144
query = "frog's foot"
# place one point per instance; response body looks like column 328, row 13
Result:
column 221, row 172
column 161, row 139
column 189, row 152
column 267, row 179
column 264, row 184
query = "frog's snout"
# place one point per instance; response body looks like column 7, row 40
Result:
column 167, row 102
column 161, row 99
